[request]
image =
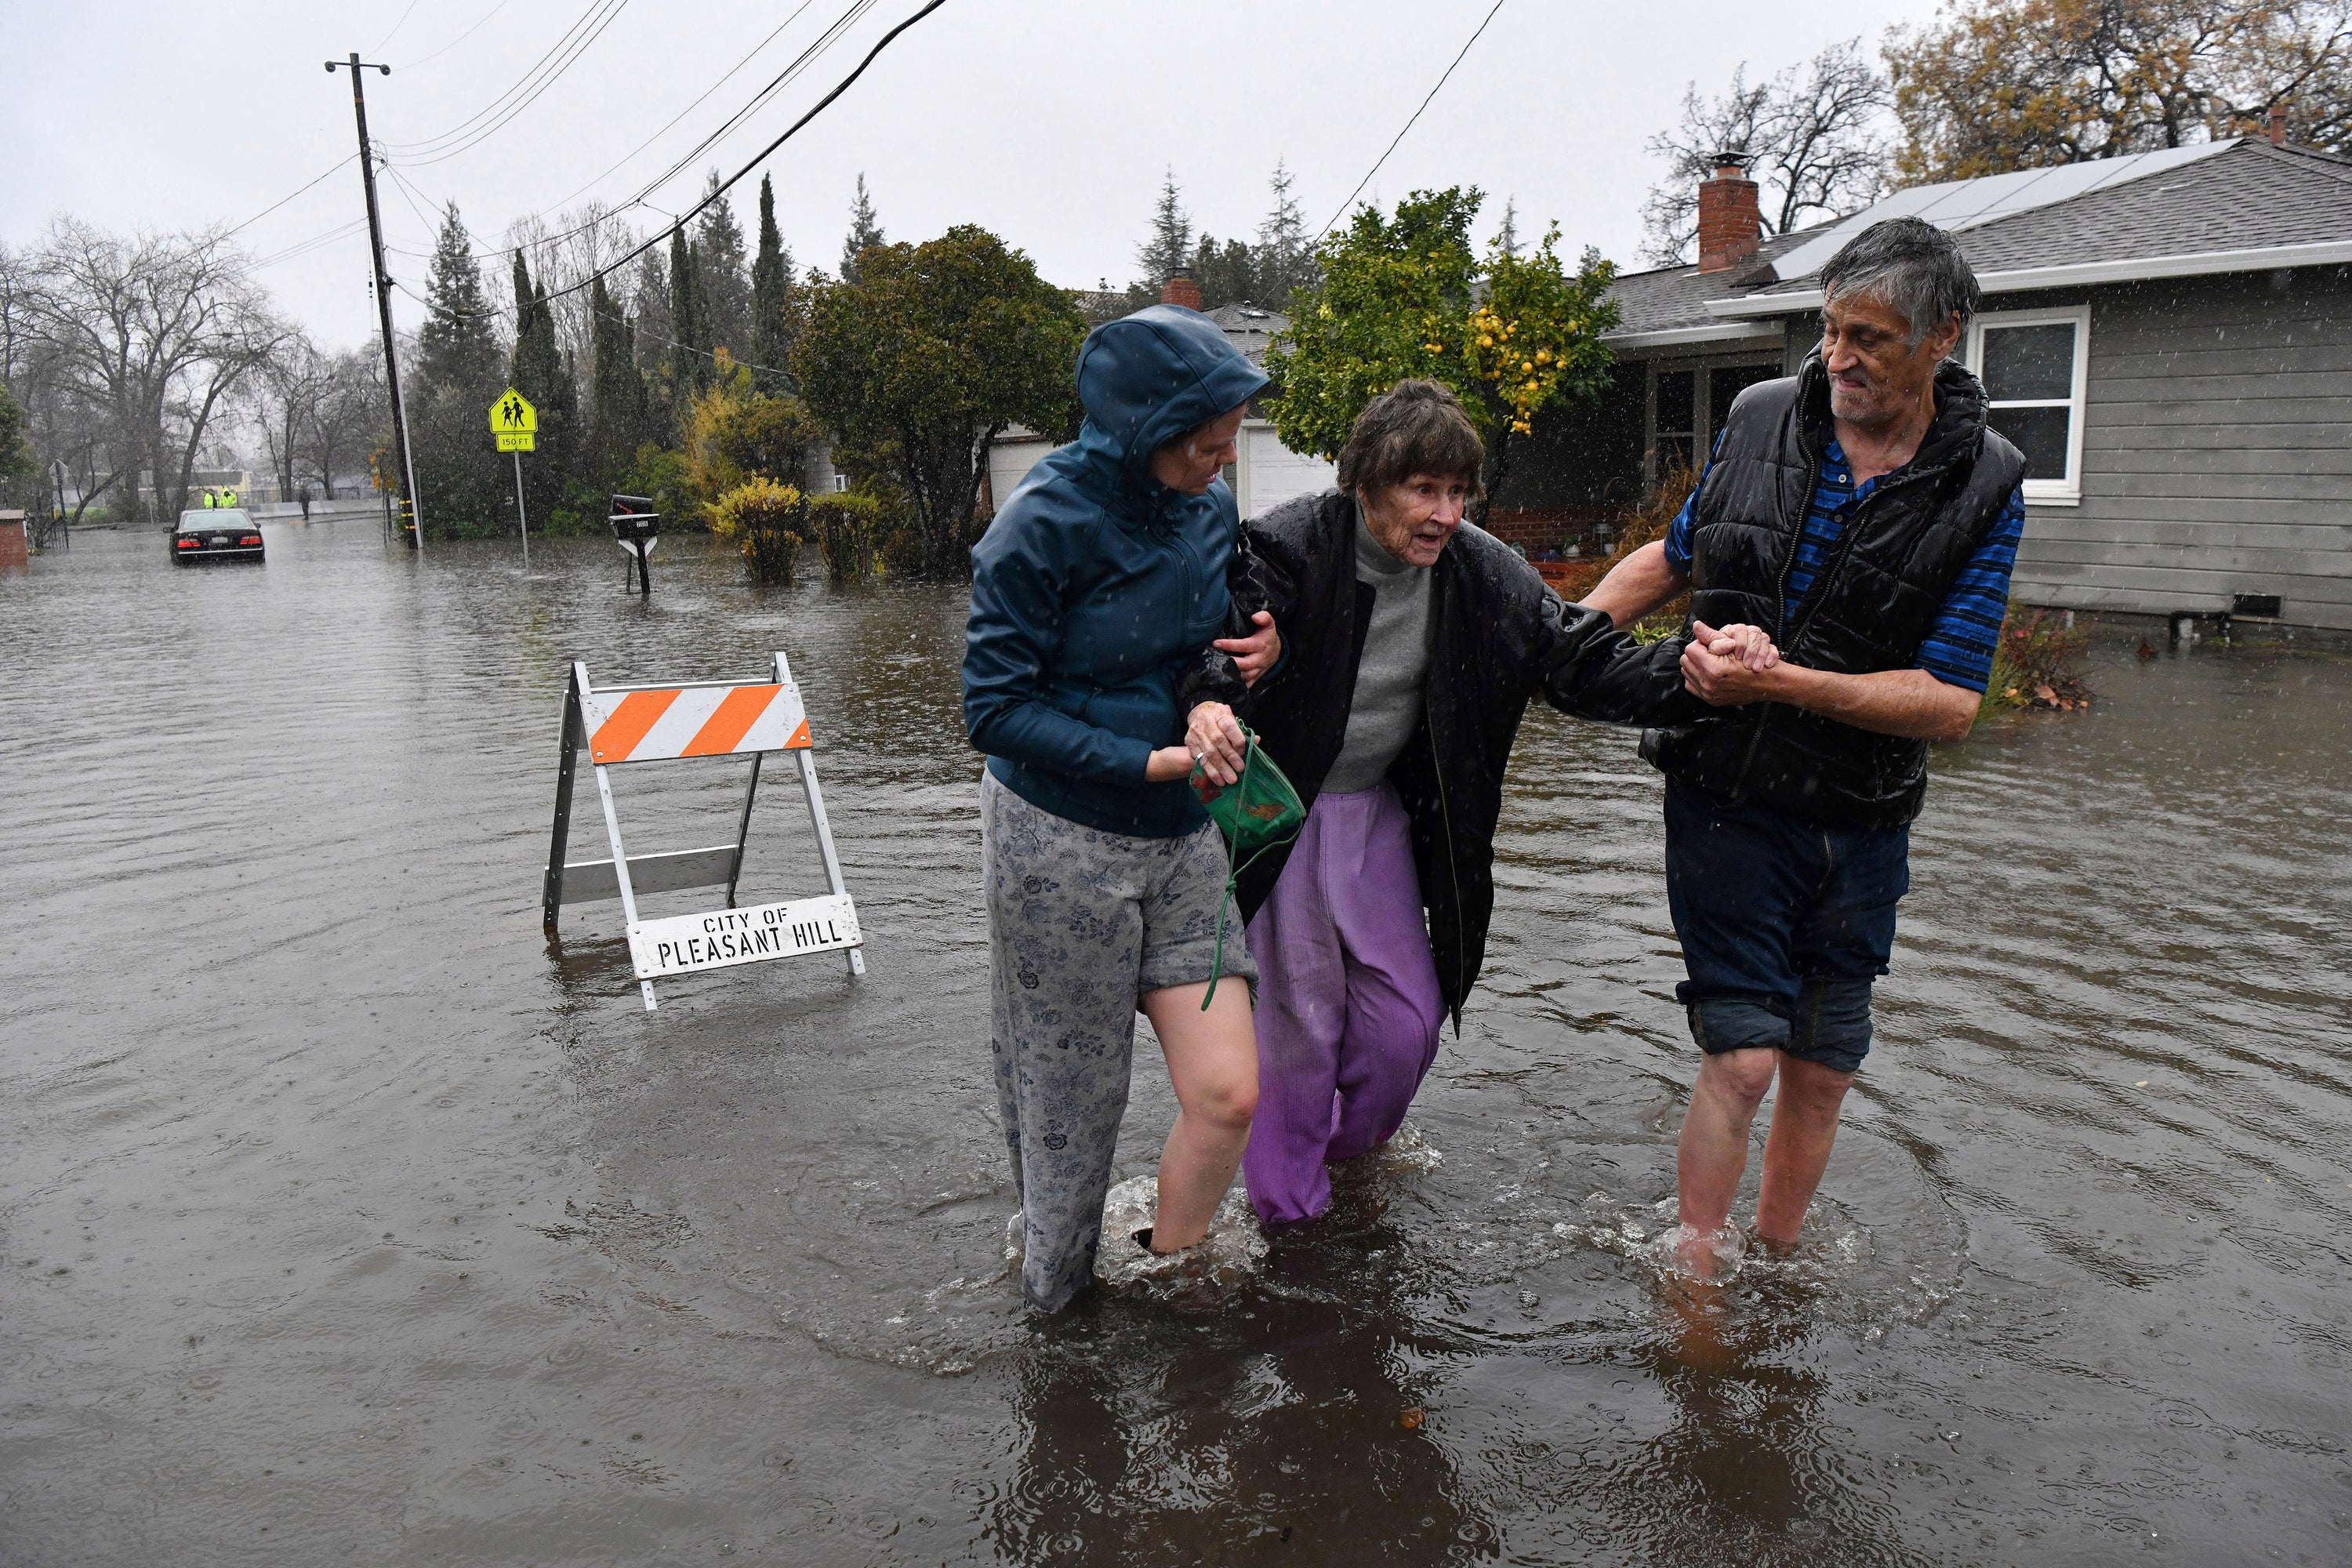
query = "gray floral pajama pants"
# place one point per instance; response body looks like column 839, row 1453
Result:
column 1082, row 925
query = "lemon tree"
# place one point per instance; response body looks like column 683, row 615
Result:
column 1408, row 296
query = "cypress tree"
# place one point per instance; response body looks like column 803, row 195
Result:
column 617, row 412
column 539, row 374
column 772, row 288
column 648, row 309
column 688, row 366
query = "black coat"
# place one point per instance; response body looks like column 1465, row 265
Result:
column 1498, row 637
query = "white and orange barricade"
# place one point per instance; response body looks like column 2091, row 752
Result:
column 616, row 725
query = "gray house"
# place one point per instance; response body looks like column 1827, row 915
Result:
column 2168, row 336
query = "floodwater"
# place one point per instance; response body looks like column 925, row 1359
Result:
column 346, row 1221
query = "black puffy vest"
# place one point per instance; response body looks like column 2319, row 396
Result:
column 1870, row 608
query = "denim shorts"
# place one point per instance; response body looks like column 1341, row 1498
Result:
column 1784, row 924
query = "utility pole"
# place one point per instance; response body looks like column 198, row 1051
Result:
column 384, row 296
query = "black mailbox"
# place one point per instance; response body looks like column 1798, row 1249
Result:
column 636, row 526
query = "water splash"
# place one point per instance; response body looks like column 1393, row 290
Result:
column 1212, row 1267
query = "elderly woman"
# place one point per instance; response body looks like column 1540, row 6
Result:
column 1098, row 597
column 1414, row 642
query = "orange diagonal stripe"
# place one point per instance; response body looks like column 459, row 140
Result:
column 800, row 740
column 733, row 720
column 616, row 737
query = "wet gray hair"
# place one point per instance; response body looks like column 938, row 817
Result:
column 1415, row 427
column 1911, row 266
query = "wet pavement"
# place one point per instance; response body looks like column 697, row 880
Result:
column 345, row 1221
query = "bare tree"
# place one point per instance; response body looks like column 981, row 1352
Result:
column 280, row 399
column 1815, row 138
column 66, row 429
column 346, row 418
column 156, row 332
column 576, row 245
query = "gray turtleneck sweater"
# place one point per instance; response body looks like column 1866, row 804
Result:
column 1389, row 678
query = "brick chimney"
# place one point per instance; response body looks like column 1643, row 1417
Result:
column 1182, row 289
column 1730, row 223
column 2278, row 124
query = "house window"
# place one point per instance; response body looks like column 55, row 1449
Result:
column 1675, row 434
column 1688, row 408
column 2034, row 365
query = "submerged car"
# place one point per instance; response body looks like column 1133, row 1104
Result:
column 210, row 534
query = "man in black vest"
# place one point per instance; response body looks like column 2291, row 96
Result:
column 1854, row 536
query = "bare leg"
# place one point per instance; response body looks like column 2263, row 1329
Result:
column 1804, row 1125
column 1212, row 1063
column 1713, row 1150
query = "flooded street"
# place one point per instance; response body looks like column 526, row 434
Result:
column 344, row 1221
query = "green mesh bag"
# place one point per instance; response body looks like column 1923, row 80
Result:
column 1257, row 813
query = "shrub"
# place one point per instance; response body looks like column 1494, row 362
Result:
column 2033, row 665
column 1646, row 523
column 768, row 522
column 662, row 475
column 847, row 526
column 580, row 510
column 733, row 434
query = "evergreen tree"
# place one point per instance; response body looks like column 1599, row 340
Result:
column 1507, row 240
column 772, row 328
column 540, row 374
column 1227, row 272
column 460, row 371
column 864, row 232
column 1171, row 242
column 617, row 411
column 1286, row 256
column 649, row 307
column 686, row 368
column 718, row 256
column 459, row 343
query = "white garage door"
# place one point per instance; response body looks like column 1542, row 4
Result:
column 1009, row 463
column 1275, row 473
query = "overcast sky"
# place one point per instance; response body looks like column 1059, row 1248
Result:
column 1049, row 122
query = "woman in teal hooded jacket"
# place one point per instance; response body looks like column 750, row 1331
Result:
column 1097, row 598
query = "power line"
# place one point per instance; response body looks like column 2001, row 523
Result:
column 599, row 14
column 1400, row 135
column 282, row 201
column 681, row 219
column 316, row 242
column 700, row 99
column 790, row 132
column 485, row 132
column 479, row 24
column 493, row 313
column 824, row 42
column 396, row 27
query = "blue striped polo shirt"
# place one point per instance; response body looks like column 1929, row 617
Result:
column 1960, row 646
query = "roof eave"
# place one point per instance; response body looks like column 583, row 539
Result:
column 2129, row 270
column 1678, row 337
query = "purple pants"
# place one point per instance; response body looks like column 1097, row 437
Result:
column 1348, row 1005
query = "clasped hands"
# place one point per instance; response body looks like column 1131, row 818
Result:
column 1212, row 736
column 1727, row 668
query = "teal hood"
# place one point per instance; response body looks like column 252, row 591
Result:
column 1147, row 378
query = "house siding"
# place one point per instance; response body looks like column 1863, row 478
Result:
column 2217, row 451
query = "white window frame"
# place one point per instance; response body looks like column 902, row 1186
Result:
column 2068, row 491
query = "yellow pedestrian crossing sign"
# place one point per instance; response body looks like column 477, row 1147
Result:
column 514, row 421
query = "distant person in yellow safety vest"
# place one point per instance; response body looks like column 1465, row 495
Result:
column 228, row 498
column 211, row 501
